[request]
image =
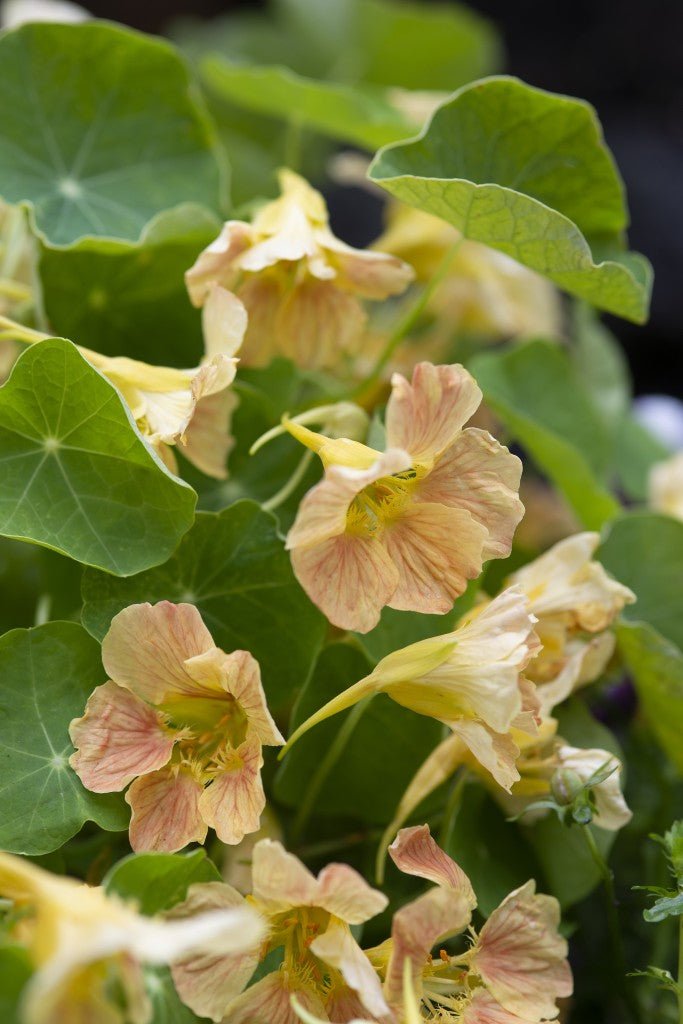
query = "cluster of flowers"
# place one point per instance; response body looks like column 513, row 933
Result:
column 181, row 724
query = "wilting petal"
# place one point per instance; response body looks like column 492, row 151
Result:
column 478, row 474
column 349, row 578
column 417, row 927
column 521, row 957
column 208, row 440
column 497, row 752
column 262, row 296
column 530, row 717
column 482, row 1008
column 269, row 1001
column 318, row 323
column 366, row 272
column 436, row 550
column 338, row 948
column 208, row 982
column 147, row 645
column 118, row 738
column 665, row 486
column 279, row 878
column 585, row 660
column 224, row 322
column 233, row 803
column 323, row 513
column 216, row 264
column 426, row 416
column 343, row 1006
column 612, row 810
column 415, row 852
column 565, row 579
column 347, row 895
column 165, row 808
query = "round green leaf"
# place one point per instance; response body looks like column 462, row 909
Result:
column 76, row 475
column 157, row 881
column 100, row 129
column 233, row 566
column 526, row 172
column 47, row 675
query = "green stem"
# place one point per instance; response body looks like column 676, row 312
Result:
column 327, row 764
column 452, row 808
column 295, row 479
column 411, row 317
column 618, row 956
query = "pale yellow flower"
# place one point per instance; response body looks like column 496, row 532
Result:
column 301, row 285
column 665, row 486
column 87, row 949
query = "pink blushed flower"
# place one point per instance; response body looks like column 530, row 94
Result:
column 182, row 721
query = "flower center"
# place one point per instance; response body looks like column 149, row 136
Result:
column 208, row 724
column 381, row 502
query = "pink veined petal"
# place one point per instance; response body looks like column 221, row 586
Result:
column 262, row 296
column 216, row 264
column 426, row 416
column 205, row 982
column 416, row 928
column 233, row 803
column 371, row 274
column 347, row 895
column 415, row 852
column 323, row 512
column 482, row 1008
column 118, row 738
column 436, row 550
column 521, row 957
column 495, row 751
column 317, row 323
column 478, row 474
column 269, row 1001
column 279, row 878
column 208, row 440
column 350, row 578
column 147, row 645
column 165, row 808
column 343, row 1006
column 242, row 678
column 338, row 948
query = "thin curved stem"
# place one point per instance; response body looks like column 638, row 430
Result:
column 287, row 489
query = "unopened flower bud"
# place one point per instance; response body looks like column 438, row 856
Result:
column 565, row 786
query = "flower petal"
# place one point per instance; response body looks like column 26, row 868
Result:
column 497, row 752
column 482, row 1008
column 269, row 1001
column 233, row 803
column 436, row 551
column 147, row 645
column 165, row 806
column 242, row 678
column 208, row 982
column 349, row 578
column 521, row 957
column 224, row 322
column 118, row 738
column 415, row 852
column 216, row 264
column 280, row 878
column 347, row 895
column 338, row 948
column 478, row 474
column 612, row 811
column 426, row 416
column 208, row 440
column 366, row 272
column 318, row 323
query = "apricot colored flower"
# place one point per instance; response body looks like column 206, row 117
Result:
column 301, row 285
column 484, row 291
column 87, row 949
column 407, row 527
column 515, row 970
column 665, row 486
column 469, row 679
column 575, row 602
column 183, row 722
column 310, row 920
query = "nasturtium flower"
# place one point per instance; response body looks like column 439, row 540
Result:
column 87, row 949
column 665, row 486
column 310, row 920
column 183, row 722
column 575, row 602
column 515, row 969
column 484, row 292
column 469, row 679
column 301, row 285
column 407, row 527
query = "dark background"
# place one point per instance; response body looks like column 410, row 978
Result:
column 626, row 57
